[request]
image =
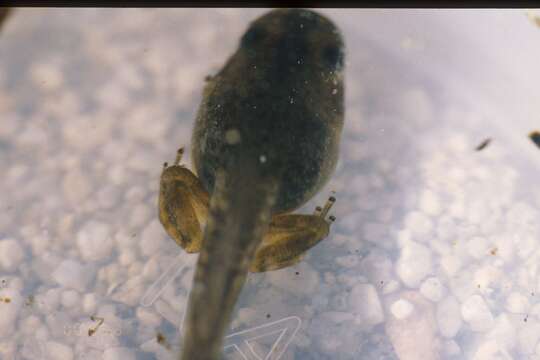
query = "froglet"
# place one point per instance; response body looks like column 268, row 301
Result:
column 265, row 141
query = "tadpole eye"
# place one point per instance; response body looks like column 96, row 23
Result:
column 253, row 36
column 333, row 56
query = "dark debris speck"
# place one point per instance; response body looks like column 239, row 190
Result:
column 535, row 137
column 483, row 144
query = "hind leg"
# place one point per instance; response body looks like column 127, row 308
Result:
column 289, row 237
column 183, row 205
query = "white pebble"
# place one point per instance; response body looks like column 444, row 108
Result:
column 477, row 212
column 127, row 257
column 141, row 162
column 29, row 325
column 451, row 348
column 414, row 263
column 139, row 215
column 72, row 274
column 32, row 348
column 76, row 186
column 119, row 353
column 414, row 337
column 525, row 245
column 108, row 196
column 10, row 124
column 94, row 241
column 350, row 222
column 247, row 314
column 451, row 264
column 113, row 96
column 364, row 302
column 151, row 269
column 457, row 209
column 8, row 349
column 504, row 331
column 528, row 337
column 89, row 303
column 348, row 261
column 446, row 228
column 329, row 278
column 91, row 354
column 477, row 314
column 244, row 316
column 16, row 173
column 131, row 77
column 47, row 76
column 48, row 303
column 118, row 175
column 491, row 350
column 135, row 194
column 415, row 104
column 517, row 303
column 59, row 351
column 505, row 248
column 486, row 276
column 432, row 289
column 401, row 309
column 522, row 214
column 430, row 203
column 419, row 224
column 148, row 317
column 152, row 238
column 448, row 316
column 138, row 118
column 390, row 286
column 478, row 247
column 70, row 298
column 375, row 232
column 536, row 310
column 10, row 305
column 11, row 254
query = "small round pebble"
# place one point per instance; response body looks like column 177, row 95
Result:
column 11, row 254
column 418, row 223
column 119, row 353
column 401, row 309
column 517, row 303
column 89, row 303
column 94, row 241
column 59, row 351
column 432, row 289
column 70, row 298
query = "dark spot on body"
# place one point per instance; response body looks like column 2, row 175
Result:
column 333, row 56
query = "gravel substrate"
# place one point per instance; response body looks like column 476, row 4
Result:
column 434, row 254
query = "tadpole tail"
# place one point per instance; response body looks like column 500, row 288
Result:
column 240, row 211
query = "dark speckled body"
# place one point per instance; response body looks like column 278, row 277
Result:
column 279, row 98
